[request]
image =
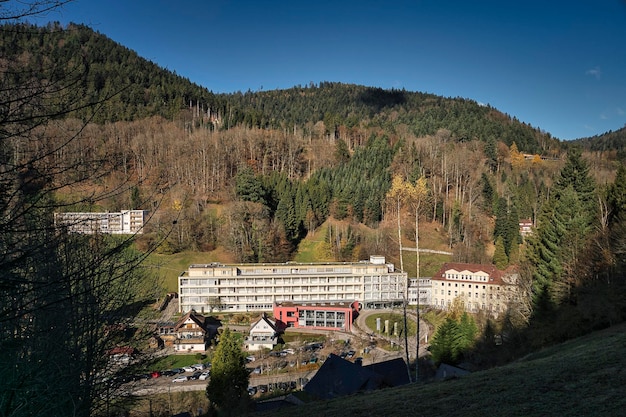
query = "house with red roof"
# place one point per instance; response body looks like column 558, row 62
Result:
column 477, row 287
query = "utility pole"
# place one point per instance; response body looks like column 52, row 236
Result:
column 417, row 312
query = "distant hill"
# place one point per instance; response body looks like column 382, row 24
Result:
column 609, row 141
column 582, row 377
column 131, row 88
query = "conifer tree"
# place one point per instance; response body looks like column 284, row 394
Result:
column 563, row 233
column 500, row 259
column 227, row 389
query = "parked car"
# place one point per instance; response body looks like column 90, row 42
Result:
column 155, row 374
column 204, row 375
column 189, row 369
column 195, row 375
column 180, row 378
column 169, row 372
column 252, row 390
column 198, row 366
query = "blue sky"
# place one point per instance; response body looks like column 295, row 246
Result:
column 557, row 65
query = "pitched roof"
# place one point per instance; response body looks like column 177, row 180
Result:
column 446, row 371
column 338, row 377
column 199, row 319
column 266, row 320
column 495, row 275
column 394, row 371
column 122, row 350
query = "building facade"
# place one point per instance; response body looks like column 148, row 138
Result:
column 256, row 287
column 424, row 286
column 477, row 287
column 118, row 223
column 263, row 334
column 317, row 316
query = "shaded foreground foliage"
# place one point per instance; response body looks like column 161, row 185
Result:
column 584, row 376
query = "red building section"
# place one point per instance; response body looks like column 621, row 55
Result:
column 319, row 316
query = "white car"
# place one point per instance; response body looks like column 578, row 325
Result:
column 189, row 369
column 204, row 375
column 180, row 378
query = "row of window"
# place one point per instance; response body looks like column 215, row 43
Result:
column 470, row 285
column 473, row 307
column 468, row 277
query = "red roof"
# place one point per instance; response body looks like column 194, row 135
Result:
column 122, row 350
column 495, row 275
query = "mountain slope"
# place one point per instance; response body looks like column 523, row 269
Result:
column 609, row 141
column 584, row 376
column 130, row 88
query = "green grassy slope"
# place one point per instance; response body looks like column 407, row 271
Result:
column 582, row 377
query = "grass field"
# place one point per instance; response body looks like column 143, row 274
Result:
column 393, row 318
column 311, row 249
column 169, row 267
column 582, row 377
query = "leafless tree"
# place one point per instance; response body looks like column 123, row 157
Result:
column 63, row 297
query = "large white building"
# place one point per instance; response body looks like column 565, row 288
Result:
column 117, row 223
column 256, row 287
column 476, row 287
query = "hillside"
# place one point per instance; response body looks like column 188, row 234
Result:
column 584, row 377
column 129, row 87
column 606, row 142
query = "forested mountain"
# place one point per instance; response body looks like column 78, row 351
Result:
column 128, row 86
column 131, row 88
column 606, row 142
column 86, row 124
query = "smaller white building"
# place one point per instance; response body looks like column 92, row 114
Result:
column 424, row 286
column 125, row 222
column 263, row 334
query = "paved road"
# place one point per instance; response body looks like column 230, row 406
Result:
column 359, row 331
column 165, row 384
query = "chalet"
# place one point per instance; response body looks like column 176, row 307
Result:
column 263, row 334
column 194, row 332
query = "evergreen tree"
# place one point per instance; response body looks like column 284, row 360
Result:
column 500, row 259
column 342, row 154
column 575, row 173
column 512, row 236
column 500, row 228
column 441, row 344
column 228, row 387
column 616, row 196
column 562, row 234
column 453, row 339
column 488, row 193
column 248, row 187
